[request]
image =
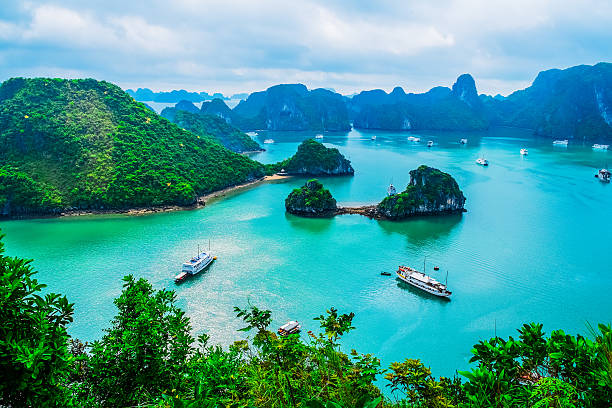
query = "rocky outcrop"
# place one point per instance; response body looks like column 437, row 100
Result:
column 311, row 200
column 218, row 108
column 292, row 107
column 430, row 191
column 314, row 159
column 438, row 109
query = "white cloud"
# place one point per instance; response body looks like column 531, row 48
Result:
column 349, row 45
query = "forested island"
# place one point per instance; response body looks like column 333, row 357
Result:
column 149, row 357
column 87, row 145
column 314, row 159
column 429, row 192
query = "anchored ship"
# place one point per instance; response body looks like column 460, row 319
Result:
column 482, row 161
column 561, row 142
column 524, row 152
column 422, row 281
column 195, row 265
column 288, row 328
column 603, row 175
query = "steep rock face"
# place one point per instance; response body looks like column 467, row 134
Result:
column 218, row 108
column 313, row 158
column 170, row 112
column 465, row 89
column 311, row 200
column 292, row 107
column 438, row 109
column 430, row 191
column 574, row 103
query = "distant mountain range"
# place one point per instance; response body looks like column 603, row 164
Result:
column 147, row 95
column 575, row 103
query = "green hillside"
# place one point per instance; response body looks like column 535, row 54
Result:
column 215, row 129
column 85, row 144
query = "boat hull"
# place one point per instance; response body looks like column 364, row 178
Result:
column 423, row 287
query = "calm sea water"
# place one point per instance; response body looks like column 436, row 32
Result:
column 533, row 246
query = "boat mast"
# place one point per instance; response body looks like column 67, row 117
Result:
column 446, row 280
column 208, row 244
column 424, row 259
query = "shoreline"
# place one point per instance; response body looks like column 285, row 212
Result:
column 200, row 203
column 370, row 211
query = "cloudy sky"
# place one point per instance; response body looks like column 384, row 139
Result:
column 349, row 45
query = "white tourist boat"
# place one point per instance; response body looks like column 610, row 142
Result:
column 288, row 328
column 430, row 143
column 373, row 137
column 561, row 142
column 524, row 152
column 422, row 281
column 252, row 134
column 597, row 146
column 391, row 190
column 463, row 141
column 482, row 161
column 319, row 136
column 414, row 139
column 194, row 266
column 603, row 175
column 269, row 141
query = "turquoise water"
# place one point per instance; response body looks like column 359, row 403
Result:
column 533, row 246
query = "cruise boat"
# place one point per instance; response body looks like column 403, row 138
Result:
column 422, row 281
column 524, row 152
column 561, row 142
column 319, row 136
column 269, row 141
column 463, row 141
column 414, row 139
column 252, row 134
column 482, row 161
column 373, row 137
column 600, row 146
column 430, row 143
column 603, row 175
column 288, row 328
column 391, row 190
column 194, row 266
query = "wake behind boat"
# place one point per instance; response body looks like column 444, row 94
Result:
column 421, row 281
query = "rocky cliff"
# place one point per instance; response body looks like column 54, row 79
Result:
column 441, row 108
column 574, row 103
column 311, row 200
column 314, row 159
column 430, row 191
column 292, row 107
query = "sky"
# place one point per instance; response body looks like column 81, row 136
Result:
column 235, row 46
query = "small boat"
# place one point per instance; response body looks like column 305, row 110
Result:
column 561, row 142
column 288, row 328
column 252, row 134
column 600, row 146
column 319, row 136
column 373, row 137
column 391, row 190
column 463, row 141
column 436, row 268
column 269, row 141
column 430, row 143
column 482, row 161
column 524, row 152
column 421, row 281
column 603, row 175
column 414, row 139
column 385, row 273
column 195, row 265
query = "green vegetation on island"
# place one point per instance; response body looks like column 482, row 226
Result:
column 87, row 145
column 148, row 357
column 430, row 191
column 314, row 159
column 310, row 199
column 216, row 129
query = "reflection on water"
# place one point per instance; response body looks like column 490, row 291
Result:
column 421, row 231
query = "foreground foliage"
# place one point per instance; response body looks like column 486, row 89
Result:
column 149, row 358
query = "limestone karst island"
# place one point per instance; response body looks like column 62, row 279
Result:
column 305, row 204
